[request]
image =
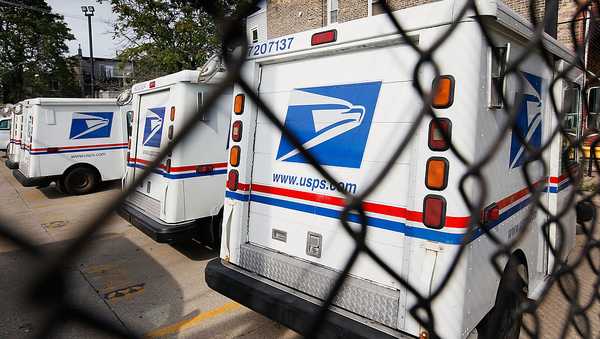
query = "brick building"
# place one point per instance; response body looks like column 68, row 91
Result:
column 111, row 75
column 285, row 17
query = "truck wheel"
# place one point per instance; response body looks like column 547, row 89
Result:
column 80, row 180
column 60, row 185
column 503, row 320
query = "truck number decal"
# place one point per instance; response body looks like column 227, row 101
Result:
column 270, row 47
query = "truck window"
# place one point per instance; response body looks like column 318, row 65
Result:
column 5, row 124
column 499, row 60
column 570, row 124
column 593, row 117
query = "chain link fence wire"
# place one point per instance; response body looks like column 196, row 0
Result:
column 49, row 288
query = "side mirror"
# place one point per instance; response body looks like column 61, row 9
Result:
column 594, row 100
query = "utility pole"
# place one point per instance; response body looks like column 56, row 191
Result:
column 89, row 13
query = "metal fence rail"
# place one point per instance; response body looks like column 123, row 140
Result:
column 48, row 289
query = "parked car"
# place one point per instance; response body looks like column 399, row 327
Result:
column 5, row 124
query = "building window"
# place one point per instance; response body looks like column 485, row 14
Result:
column 376, row 7
column 255, row 35
column 108, row 71
column 54, row 85
column 332, row 10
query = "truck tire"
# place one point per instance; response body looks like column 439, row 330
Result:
column 80, row 180
column 503, row 320
column 60, row 185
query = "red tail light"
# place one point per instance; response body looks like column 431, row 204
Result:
column 236, row 131
column 434, row 211
column 436, row 137
column 204, row 168
column 152, row 84
column 490, row 214
column 171, row 132
column 233, row 180
column 323, row 37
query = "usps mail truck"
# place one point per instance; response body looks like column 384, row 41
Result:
column 77, row 143
column 347, row 93
column 183, row 198
column 16, row 130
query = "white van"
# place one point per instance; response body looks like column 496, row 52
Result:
column 76, row 143
column 16, row 130
column 184, row 197
column 346, row 92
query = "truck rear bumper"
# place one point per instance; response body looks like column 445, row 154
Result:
column 11, row 164
column 284, row 307
column 32, row 182
column 159, row 231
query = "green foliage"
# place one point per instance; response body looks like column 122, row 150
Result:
column 32, row 52
column 162, row 37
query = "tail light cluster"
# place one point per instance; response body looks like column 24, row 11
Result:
column 235, row 152
column 170, row 135
column 437, row 168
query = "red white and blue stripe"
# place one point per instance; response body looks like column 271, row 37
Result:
column 75, row 149
column 182, row 172
column 392, row 218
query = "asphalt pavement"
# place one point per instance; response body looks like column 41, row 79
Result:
column 156, row 290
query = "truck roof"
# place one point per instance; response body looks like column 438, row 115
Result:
column 418, row 17
column 167, row 80
column 71, row 101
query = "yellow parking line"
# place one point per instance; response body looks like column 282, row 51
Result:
column 192, row 322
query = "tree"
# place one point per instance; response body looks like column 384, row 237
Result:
column 32, row 52
column 163, row 37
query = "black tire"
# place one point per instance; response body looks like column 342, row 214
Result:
column 80, row 180
column 60, row 185
column 503, row 321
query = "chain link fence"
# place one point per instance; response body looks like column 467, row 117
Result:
column 49, row 288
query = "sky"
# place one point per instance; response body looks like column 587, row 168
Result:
column 104, row 45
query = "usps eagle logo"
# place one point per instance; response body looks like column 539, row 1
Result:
column 331, row 122
column 91, row 125
column 528, row 120
column 153, row 126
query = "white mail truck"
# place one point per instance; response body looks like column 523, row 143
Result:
column 16, row 130
column 347, row 93
column 183, row 198
column 77, row 143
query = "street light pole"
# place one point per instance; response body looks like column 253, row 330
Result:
column 89, row 13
